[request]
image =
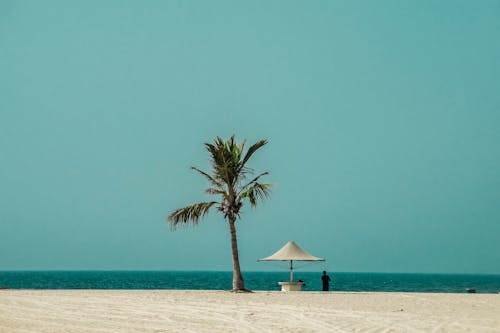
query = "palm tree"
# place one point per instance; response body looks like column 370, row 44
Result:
column 228, row 180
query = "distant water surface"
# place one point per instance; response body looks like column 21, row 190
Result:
column 445, row 283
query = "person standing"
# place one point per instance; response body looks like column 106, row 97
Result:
column 326, row 281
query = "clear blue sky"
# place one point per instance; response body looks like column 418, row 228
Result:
column 383, row 119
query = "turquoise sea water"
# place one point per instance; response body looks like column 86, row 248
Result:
column 447, row 283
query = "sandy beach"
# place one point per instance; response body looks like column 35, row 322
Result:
column 221, row 311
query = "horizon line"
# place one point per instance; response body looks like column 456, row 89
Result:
column 230, row 271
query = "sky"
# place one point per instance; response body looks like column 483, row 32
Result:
column 382, row 118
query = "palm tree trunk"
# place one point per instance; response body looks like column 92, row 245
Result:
column 238, row 283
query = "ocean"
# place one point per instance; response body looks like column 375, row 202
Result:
column 388, row 282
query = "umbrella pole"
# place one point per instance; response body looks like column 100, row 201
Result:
column 291, row 270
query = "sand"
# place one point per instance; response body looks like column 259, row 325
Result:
column 221, row 311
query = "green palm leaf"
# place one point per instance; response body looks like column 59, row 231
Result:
column 256, row 192
column 251, row 151
column 211, row 179
column 190, row 213
column 254, row 180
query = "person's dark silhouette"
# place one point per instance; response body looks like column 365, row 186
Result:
column 326, row 280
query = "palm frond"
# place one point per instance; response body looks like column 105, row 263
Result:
column 210, row 178
column 252, row 150
column 256, row 192
column 254, row 180
column 218, row 160
column 190, row 213
column 225, row 158
column 215, row 191
column 241, row 146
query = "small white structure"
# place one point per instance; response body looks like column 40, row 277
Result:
column 290, row 252
column 291, row 286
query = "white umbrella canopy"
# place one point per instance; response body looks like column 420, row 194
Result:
column 290, row 252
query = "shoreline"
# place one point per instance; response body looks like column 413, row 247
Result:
column 339, row 292
column 93, row 310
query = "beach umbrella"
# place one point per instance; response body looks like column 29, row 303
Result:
column 290, row 252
